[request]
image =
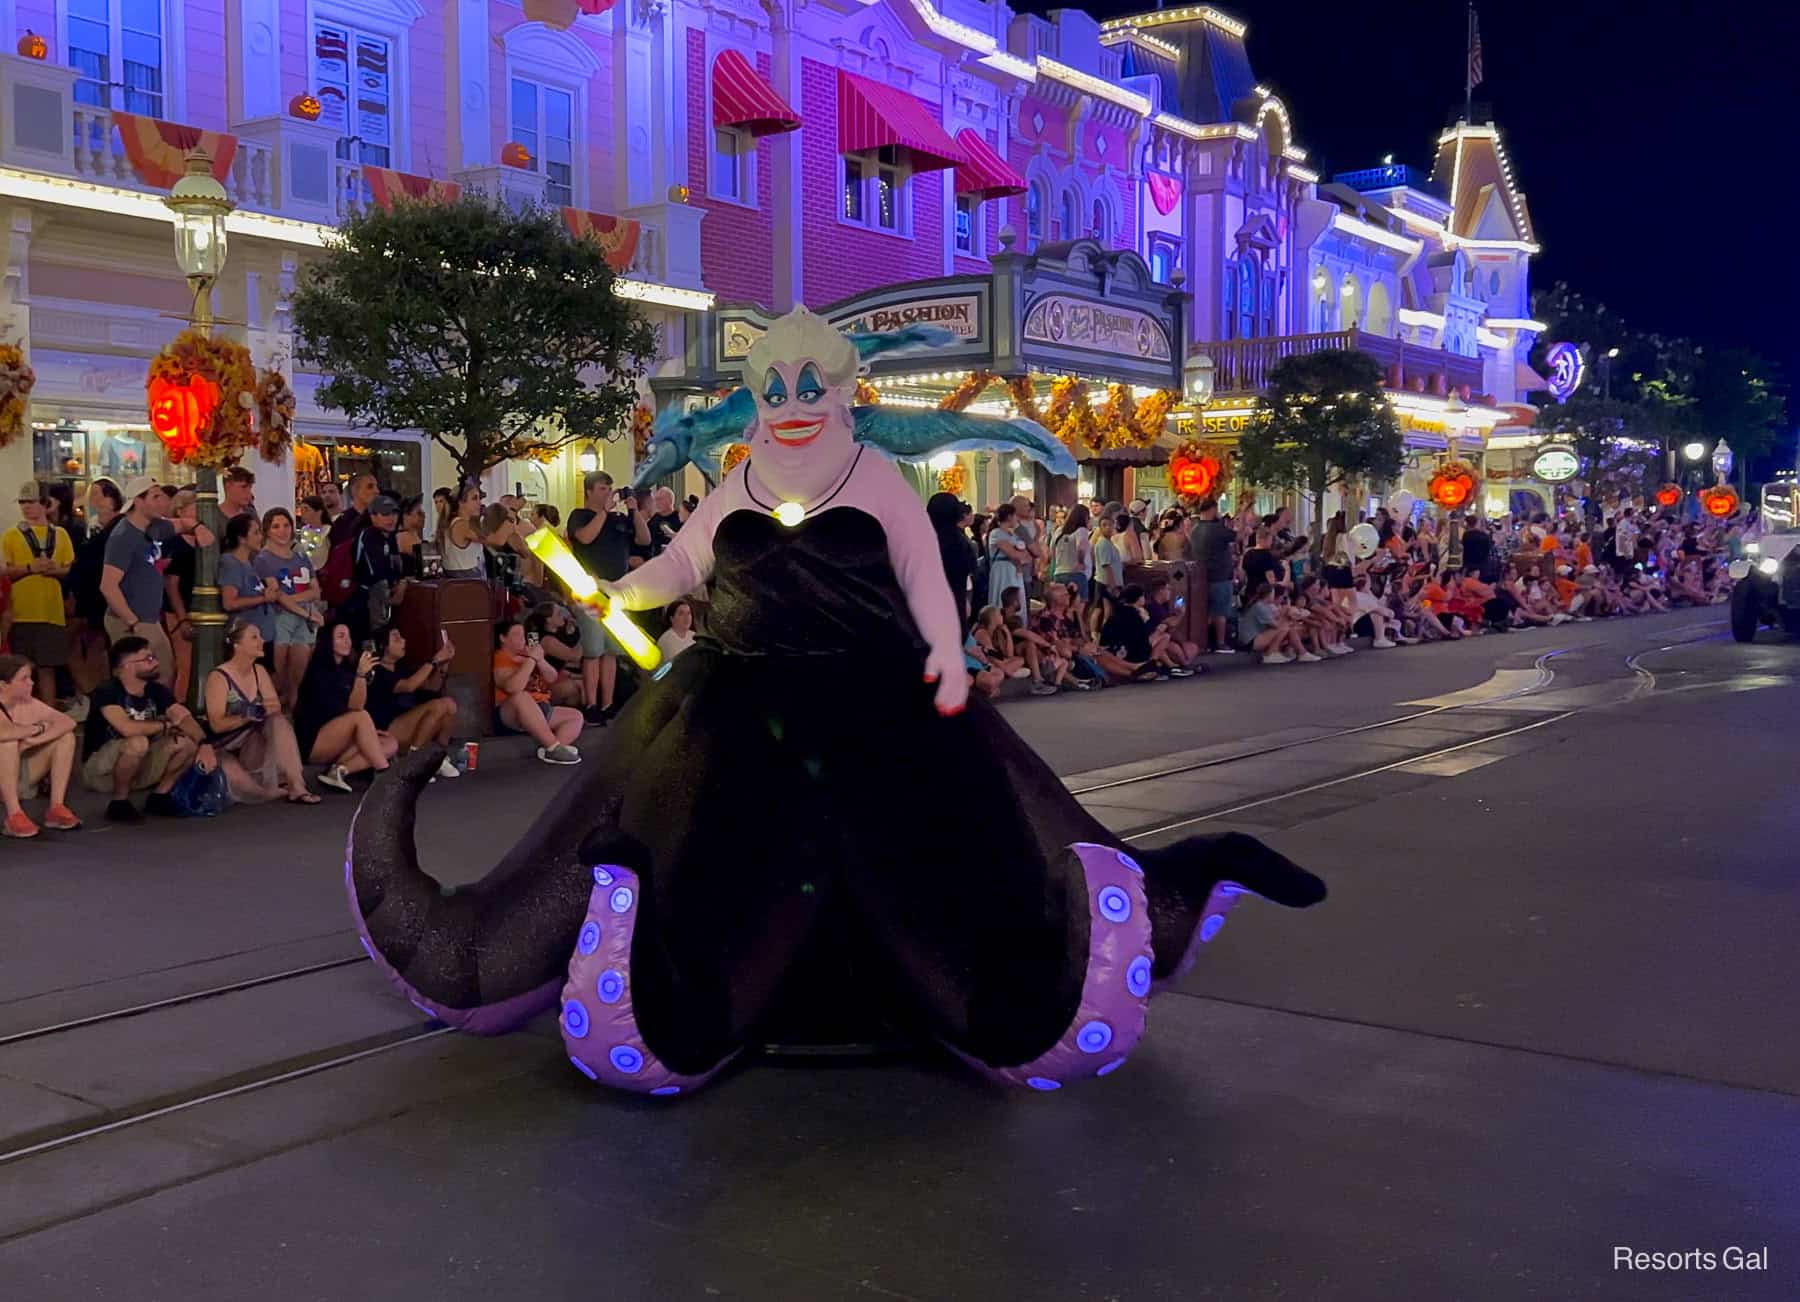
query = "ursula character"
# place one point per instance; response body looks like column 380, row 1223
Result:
column 807, row 811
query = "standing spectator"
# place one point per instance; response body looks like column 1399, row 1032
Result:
column 602, row 539
column 1009, row 555
column 332, row 721
column 1030, row 532
column 666, row 519
column 315, row 531
column 409, row 538
column 244, row 593
column 1072, row 554
column 139, row 736
column 523, row 678
column 38, row 557
column 1477, row 547
column 1209, row 546
column 380, row 583
column 178, row 585
column 954, row 548
column 459, row 537
column 36, row 743
column 59, row 508
column 296, row 608
column 238, row 495
column 410, row 708
column 679, row 636
column 1109, row 560
column 253, row 739
column 333, row 498
column 131, row 579
column 347, row 523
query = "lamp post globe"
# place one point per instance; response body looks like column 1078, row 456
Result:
column 1197, row 375
column 1694, row 450
column 200, row 206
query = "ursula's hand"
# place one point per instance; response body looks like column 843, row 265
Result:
column 945, row 668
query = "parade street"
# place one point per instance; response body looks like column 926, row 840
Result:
column 1542, row 1023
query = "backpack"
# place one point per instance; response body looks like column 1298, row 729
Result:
column 337, row 576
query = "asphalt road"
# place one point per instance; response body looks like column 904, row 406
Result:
column 1545, row 1015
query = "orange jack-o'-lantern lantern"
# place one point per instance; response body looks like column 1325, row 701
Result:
column 1719, row 502
column 306, row 107
column 1453, row 486
column 33, row 46
column 180, row 412
column 515, row 155
column 1194, row 476
column 1668, row 495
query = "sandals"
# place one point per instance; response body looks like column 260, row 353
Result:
column 303, row 798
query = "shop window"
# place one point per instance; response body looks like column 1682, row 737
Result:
column 1165, row 258
column 968, row 221
column 117, row 48
column 1246, row 298
column 353, row 78
column 733, row 158
column 875, row 191
column 1034, row 217
column 543, row 120
column 1065, row 214
column 1102, row 228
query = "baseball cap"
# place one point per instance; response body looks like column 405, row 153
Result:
column 384, row 505
column 137, row 486
column 31, row 491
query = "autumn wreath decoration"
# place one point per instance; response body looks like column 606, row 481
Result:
column 17, row 380
column 275, row 407
column 952, row 480
column 643, row 423
column 867, row 395
column 202, row 393
column 1453, row 485
column 1198, row 469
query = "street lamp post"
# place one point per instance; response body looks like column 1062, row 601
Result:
column 200, row 205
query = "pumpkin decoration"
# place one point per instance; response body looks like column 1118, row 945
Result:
column 1719, row 501
column 306, row 107
column 515, row 155
column 1668, row 496
column 275, row 406
column 33, row 46
column 1453, row 485
column 952, row 480
column 202, row 396
column 17, row 380
column 1193, row 473
column 733, row 454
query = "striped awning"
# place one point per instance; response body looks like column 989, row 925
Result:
column 158, row 150
column 986, row 174
column 871, row 115
column 743, row 99
column 617, row 236
column 388, row 187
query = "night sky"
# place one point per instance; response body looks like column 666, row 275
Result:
column 1652, row 139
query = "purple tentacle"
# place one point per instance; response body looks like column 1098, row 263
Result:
column 1223, row 899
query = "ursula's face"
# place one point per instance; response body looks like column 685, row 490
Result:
column 804, row 437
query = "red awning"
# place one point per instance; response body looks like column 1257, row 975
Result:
column 743, row 99
column 871, row 115
column 986, row 174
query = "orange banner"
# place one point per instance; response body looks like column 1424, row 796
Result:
column 386, row 187
column 158, row 150
column 618, row 238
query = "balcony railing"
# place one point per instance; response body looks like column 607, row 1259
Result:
column 1241, row 366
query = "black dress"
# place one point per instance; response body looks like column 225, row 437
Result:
column 784, row 817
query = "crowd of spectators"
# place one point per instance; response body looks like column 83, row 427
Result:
column 1052, row 603
column 316, row 673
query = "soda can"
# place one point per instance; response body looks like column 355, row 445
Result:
column 471, row 750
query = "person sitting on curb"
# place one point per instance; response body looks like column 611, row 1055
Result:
column 139, row 736
column 36, row 743
column 395, row 703
column 523, row 679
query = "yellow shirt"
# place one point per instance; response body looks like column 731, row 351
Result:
column 37, row 598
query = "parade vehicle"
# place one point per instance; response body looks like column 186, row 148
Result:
column 1767, row 577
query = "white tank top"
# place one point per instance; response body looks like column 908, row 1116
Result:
column 468, row 559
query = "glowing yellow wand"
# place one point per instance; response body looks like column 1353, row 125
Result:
column 549, row 548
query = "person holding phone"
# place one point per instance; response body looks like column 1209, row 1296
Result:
column 410, row 707
column 333, row 722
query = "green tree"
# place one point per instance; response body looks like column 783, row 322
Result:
column 1322, row 418
column 494, row 332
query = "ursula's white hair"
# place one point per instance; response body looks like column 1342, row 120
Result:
column 803, row 335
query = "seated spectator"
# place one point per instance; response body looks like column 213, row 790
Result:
column 332, row 720
column 983, row 672
column 37, row 745
column 1531, row 606
column 139, row 737
column 994, row 641
column 679, row 636
column 1368, row 609
column 1686, row 588
column 1332, row 620
column 1127, row 635
column 1165, row 619
column 558, row 632
column 1496, row 603
column 523, row 678
column 298, row 612
column 253, row 739
column 409, row 707
column 1264, row 629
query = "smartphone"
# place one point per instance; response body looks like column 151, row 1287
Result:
column 532, row 639
column 369, row 647
column 443, row 639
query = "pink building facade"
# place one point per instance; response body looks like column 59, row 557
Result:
column 769, row 154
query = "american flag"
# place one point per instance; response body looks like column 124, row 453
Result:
column 1474, row 49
